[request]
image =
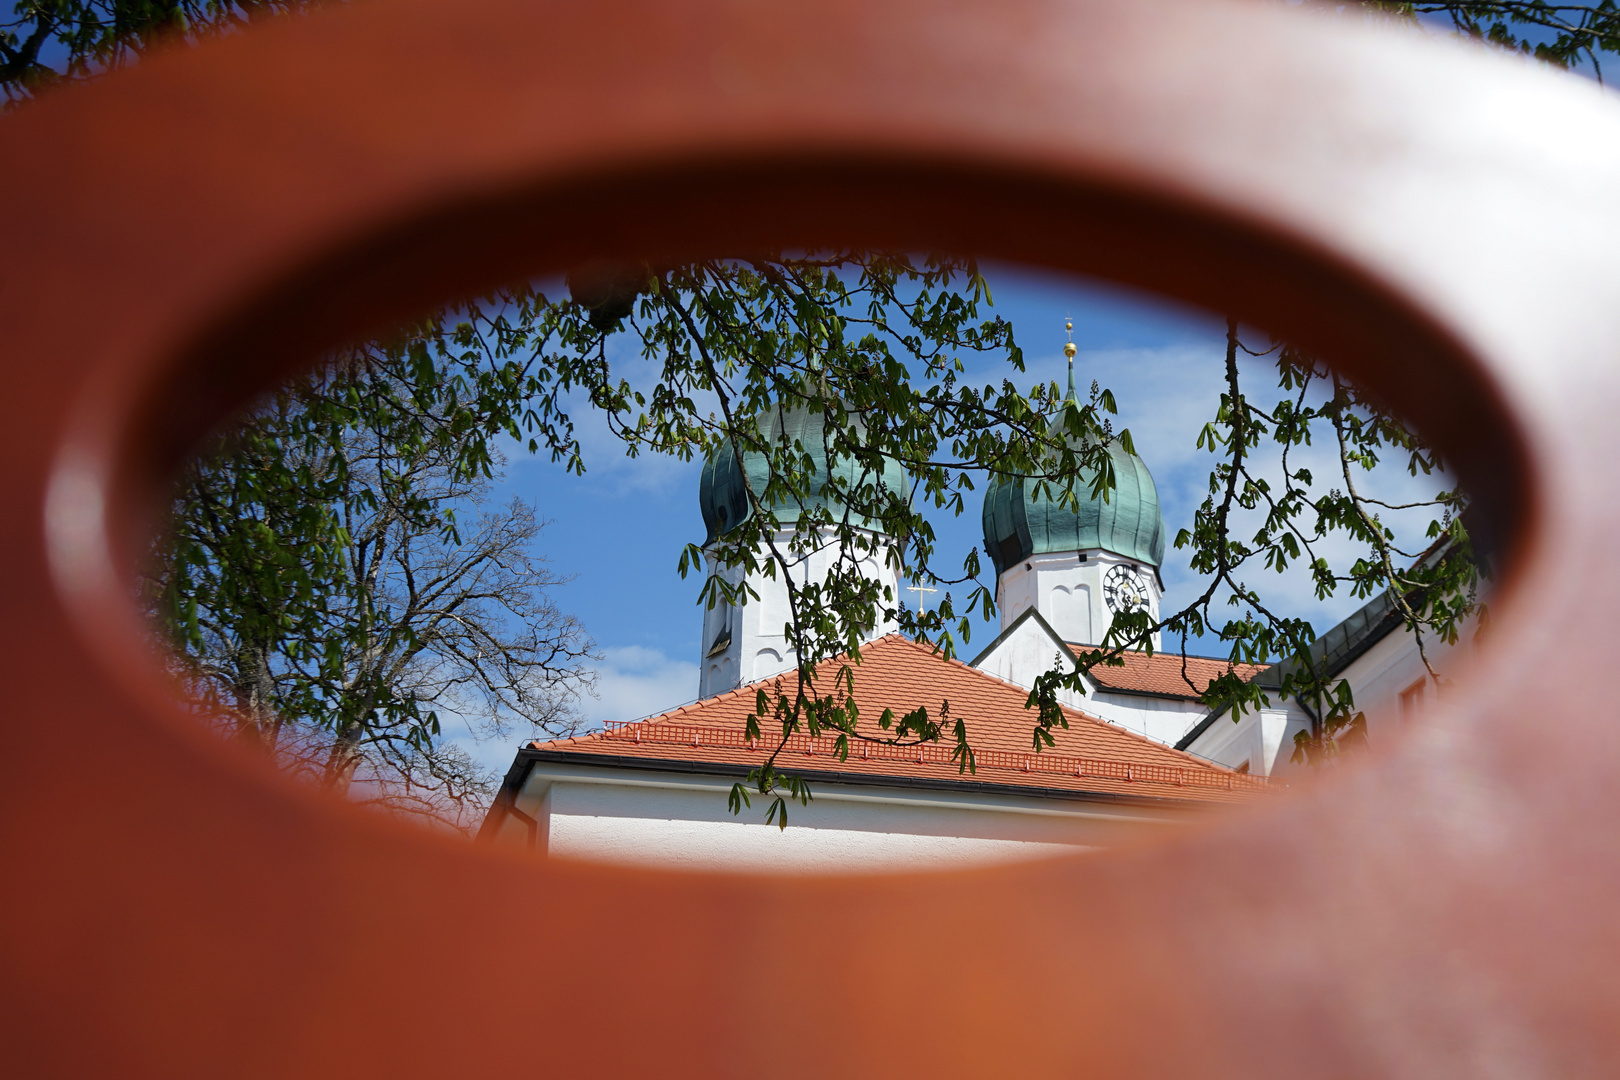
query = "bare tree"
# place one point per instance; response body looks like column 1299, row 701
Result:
column 336, row 579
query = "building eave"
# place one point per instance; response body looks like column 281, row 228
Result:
column 1104, row 690
column 1198, row 729
column 527, row 757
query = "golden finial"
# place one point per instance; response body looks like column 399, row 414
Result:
column 1069, row 350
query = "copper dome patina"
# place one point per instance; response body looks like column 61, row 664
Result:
column 723, row 497
column 1019, row 523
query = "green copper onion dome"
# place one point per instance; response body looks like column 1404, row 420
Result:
column 724, row 500
column 1018, row 525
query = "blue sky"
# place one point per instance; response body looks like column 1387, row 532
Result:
column 619, row 529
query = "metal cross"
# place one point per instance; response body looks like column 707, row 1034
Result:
column 922, row 604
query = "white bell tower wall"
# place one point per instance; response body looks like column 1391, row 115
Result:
column 1067, row 589
column 746, row 643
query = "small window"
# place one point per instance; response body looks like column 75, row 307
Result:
column 719, row 620
column 722, row 641
column 1412, row 698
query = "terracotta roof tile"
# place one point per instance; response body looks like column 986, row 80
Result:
column 1091, row 756
column 1162, row 673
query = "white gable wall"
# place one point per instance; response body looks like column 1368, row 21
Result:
column 1025, row 653
column 1029, row 650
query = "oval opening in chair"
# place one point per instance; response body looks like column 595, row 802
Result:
column 349, row 586
column 1150, row 184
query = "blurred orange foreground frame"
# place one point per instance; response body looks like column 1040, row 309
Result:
column 1443, row 223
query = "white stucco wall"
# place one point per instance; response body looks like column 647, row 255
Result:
column 758, row 647
column 1263, row 739
column 649, row 818
column 1383, row 672
column 1165, row 720
column 1377, row 679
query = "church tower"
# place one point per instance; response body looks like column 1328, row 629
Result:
column 742, row 644
column 1077, row 566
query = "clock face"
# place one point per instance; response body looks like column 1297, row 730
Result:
column 1124, row 591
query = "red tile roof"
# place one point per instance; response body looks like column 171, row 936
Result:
column 1162, row 673
column 1090, row 757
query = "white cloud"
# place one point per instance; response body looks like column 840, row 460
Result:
column 634, row 681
